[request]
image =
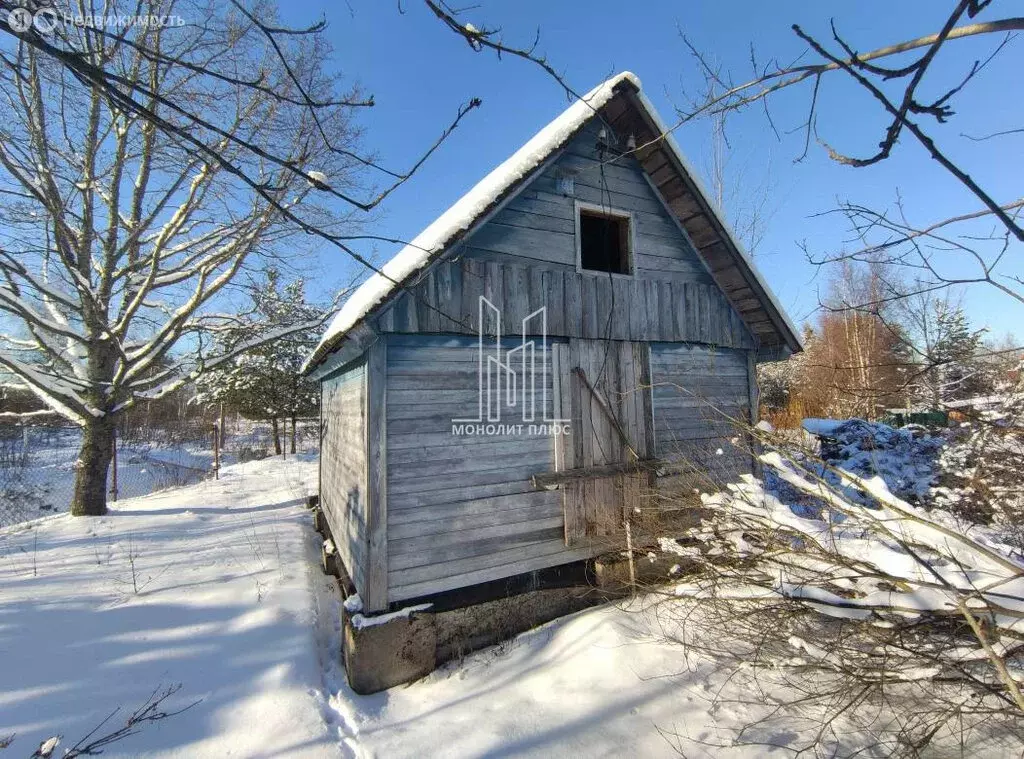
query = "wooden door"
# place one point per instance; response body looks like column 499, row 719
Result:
column 603, row 388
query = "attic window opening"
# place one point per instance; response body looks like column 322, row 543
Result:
column 604, row 242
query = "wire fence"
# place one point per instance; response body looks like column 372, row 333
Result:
column 37, row 461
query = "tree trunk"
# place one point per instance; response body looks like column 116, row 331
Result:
column 90, row 494
column 293, row 434
column 277, row 437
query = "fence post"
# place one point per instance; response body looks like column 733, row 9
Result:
column 24, row 444
column 113, row 462
column 216, row 451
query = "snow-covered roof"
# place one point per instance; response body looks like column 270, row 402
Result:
column 465, row 211
column 976, row 402
column 823, row 427
column 468, row 209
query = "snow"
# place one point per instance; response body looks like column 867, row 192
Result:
column 823, row 427
column 979, row 469
column 217, row 586
column 982, row 401
column 47, row 747
column 225, row 606
column 43, row 481
column 353, row 604
column 603, row 682
column 887, row 539
column 461, row 216
column 318, row 177
column 474, row 37
column 360, row 621
column 39, row 480
column 231, row 604
column 906, row 458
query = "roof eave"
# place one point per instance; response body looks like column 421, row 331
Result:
column 752, row 275
column 628, row 87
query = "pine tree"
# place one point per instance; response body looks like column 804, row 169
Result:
column 953, row 365
column 265, row 383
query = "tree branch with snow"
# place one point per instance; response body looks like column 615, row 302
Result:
column 143, row 169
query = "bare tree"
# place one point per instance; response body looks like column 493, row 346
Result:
column 946, row 351
column 985, row 238
column 143, row 165
column 858, row 621
column 896, row 77
column 856, row 360
column 747, row 204
column 861, row 603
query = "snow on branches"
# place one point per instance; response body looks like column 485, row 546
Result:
column 264, row 381
column 917, row 597
column 981, row 465
column 135, row 194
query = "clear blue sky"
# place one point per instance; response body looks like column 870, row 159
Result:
column 419, row 72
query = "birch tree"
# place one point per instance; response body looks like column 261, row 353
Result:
column 145, row 161
column 856, row 360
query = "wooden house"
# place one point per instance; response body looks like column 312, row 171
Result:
column 493, row 398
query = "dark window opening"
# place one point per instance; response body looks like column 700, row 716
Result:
column 604, row 242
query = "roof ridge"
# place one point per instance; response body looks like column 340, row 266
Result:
column 459, row 217
column 465, row 212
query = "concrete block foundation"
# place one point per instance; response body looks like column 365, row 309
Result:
column 396, row 648
column 382, row 655
column 405, row 644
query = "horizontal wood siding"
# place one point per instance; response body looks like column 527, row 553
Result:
column 524, row 257
column 343, row 467
column 699, row 396
column 461, row 510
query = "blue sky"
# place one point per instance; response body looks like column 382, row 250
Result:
column 419, row 72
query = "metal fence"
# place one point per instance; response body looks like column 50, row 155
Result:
column 37, row 462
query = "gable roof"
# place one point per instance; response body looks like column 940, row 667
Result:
column 621, row 102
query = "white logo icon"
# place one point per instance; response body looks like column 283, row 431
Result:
column 20, row 20
column 513, row 381
column 45, row 20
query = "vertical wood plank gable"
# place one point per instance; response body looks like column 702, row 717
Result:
column 534, row 236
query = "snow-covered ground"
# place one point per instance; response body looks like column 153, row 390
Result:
column 603, row 682
column 42, row 482
column 228, row 601
column 209, row 586
column 216, row 587
column 37, row 474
